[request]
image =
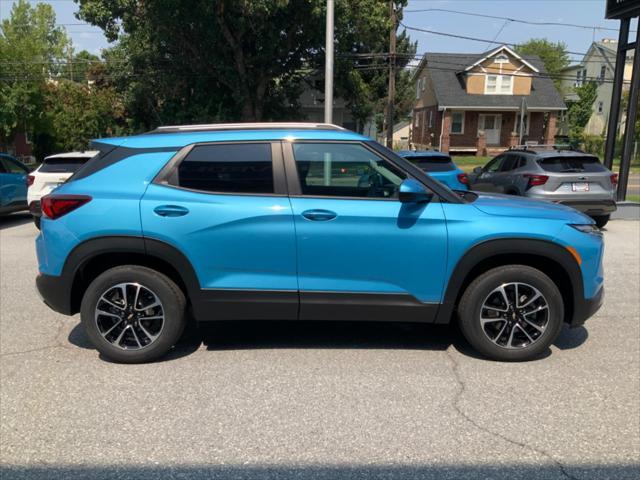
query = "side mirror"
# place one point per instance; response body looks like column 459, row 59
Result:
column 477, row 170
column 412, row 191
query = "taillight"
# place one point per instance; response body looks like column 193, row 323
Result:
column 30, row 179
column 536, row 180
column 54, row 206
column 614, row 180
column 463, row 178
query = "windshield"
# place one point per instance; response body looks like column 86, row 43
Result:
column 433, row 163
column 572, row 164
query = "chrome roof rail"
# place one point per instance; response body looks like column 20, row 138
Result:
column 212, row 127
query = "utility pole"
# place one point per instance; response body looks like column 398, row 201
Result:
column 392, row 74
column 328, row 64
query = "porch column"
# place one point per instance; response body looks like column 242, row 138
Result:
column 552, row 129
column 481, row 144
column 445, row 138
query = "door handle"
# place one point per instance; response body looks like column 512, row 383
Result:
column 171, row 211
column 319, row 215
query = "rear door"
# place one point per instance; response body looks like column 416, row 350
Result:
column 362, row 254
column 224, row 206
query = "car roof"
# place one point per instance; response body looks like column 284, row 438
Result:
column 421, row 153
column 84, row 154
column 180, row 136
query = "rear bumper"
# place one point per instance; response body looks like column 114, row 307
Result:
column 591, row 207
column 54, row 291
column 587, row 308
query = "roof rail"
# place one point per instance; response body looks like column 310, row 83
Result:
column 247, row 126
column 549, row 146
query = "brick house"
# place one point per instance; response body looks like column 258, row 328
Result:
column 470, row 103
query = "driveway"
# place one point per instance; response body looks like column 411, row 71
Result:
column 318, row 401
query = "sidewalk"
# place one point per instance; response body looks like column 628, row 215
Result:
column 627, row 211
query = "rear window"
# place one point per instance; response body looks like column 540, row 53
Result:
column 433, row 163
column 62, row 165
column 571, row 164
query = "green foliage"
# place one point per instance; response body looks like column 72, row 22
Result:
column 580, row 111
column 554, row 56
column 594, row 144
column 181, row 61
column 30, row 48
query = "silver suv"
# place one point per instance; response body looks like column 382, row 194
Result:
column 550, row 173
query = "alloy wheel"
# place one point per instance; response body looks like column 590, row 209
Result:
column 129, row 316
column 514, row 315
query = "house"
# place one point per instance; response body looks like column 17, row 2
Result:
column 472, row 103
column 598, row 65
column 401, row 135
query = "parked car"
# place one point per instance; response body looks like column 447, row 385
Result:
column 439, row 166
column 303, row 222
column 52, row 172
column 13, row 185
column 569, row 177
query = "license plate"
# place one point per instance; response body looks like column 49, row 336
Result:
column 580, row 186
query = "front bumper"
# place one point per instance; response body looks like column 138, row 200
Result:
column 591, row 207
column 55, row 292
column 587, row 308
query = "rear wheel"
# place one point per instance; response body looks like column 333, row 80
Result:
column 601, row 220
column 133, row 314
column 511, row 313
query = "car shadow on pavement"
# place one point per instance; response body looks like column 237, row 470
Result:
column 254, row 335
column 15, row 219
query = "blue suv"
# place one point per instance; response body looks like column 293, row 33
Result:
column 303, row 222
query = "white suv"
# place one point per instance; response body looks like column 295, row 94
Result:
column 54, row 170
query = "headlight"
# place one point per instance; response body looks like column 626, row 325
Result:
column 588, row 228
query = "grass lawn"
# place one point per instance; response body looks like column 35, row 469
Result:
column 633, row 198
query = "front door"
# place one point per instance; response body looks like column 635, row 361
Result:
column 13, row 183
column 224, row 206
column 362, row 254
column 491, row 124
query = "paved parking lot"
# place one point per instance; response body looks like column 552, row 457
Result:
column 308, row 401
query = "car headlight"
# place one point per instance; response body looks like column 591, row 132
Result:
column 588, row 228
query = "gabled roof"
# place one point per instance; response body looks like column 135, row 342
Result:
column 447, row 72
column 492, row 53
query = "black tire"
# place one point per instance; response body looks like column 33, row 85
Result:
column 36, row 222
column 471, row 303
column 601, row 220
column 167, row 292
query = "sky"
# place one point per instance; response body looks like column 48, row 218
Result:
column 582, row 12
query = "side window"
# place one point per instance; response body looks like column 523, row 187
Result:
column 12, row 167
column 509, row 163
column 345, row 170
column 494, row 165
column 227, row 168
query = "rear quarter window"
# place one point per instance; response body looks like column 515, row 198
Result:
column 572, row 164
column 433, row 163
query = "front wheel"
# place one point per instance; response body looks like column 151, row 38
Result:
column 133, row 314
column 601, row 220
column 511, row 313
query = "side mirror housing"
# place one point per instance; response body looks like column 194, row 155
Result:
column 477, row 170
column 412, row 191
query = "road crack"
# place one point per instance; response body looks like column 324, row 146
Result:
column 458, row 408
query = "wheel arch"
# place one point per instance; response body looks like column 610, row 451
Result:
column 92, row 257
column 551, row 258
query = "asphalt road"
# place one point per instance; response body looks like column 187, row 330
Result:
column 318, row 401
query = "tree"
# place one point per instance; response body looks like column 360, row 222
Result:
column 182, row 61
column 554, row 56
column 31, row 49
column 580, row 111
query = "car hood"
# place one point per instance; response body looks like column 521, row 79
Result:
column 512, row 206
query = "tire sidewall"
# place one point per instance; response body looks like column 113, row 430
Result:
column 170, row 296
column 478, row 291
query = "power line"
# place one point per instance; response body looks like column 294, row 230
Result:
column 528, row 22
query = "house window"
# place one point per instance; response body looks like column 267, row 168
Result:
column 417, row 115
column 526, row 122
column 430, row 118
column 578, row 79
column 600, row 107
column 457, row 122
column 502, row 58
column 603, row 73
column 584, row 76
column 418, row 88
column 499, row 84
